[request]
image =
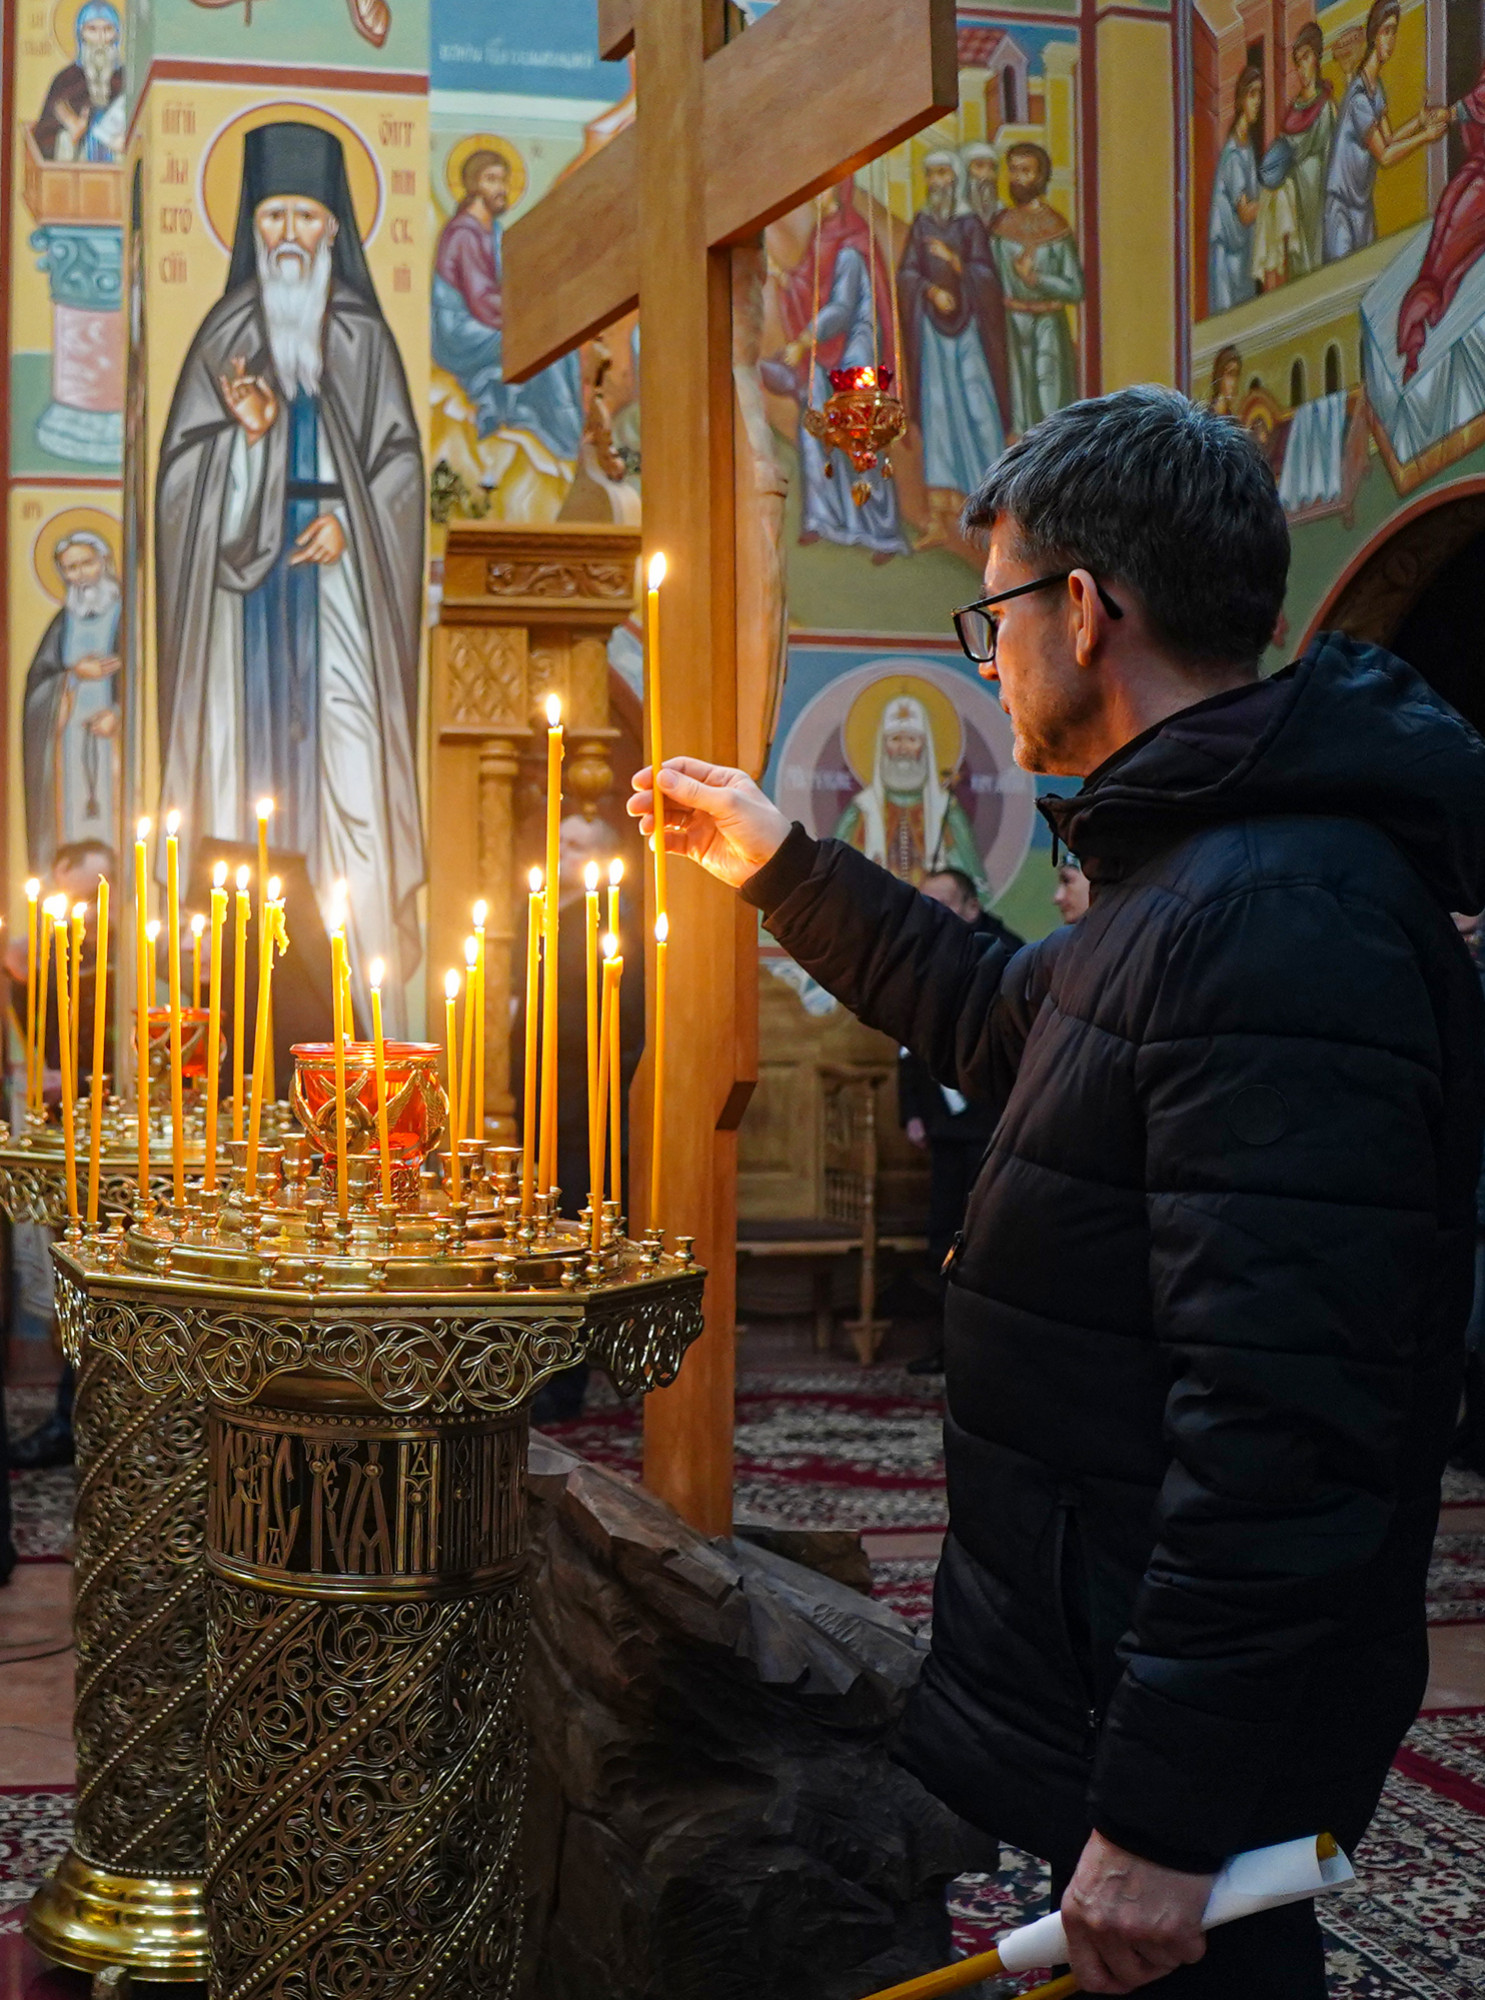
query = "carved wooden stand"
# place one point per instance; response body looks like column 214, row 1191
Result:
column 527, row 612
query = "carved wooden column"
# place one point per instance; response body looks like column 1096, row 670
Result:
column 527, row 612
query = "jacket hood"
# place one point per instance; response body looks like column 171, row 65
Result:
column 1348, row 732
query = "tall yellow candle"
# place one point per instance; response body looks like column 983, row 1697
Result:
column 152, row 938
column 33, row 1071
column 342, row 1175
column 198, row 929
column 657, row 1130
column 375, row 973
column 477, row 1116
column 100, row 1031
column 64, row 1057
column 593, row 982
column 274, row 939
column 241, row 913
column 608, row 1030
column 652, row 710
column 451, row 1039
column 340, row 917
column 466, row 1067
column 535, row 920
column 214, row 1020
column 548, row 1166
column 143, row 995
column 79, row 922
column 172, row 947
column 264, row 811
column 48, row 927
column 615, row 877
column 615, row 1092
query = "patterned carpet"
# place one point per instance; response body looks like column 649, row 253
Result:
column 1413, row 1930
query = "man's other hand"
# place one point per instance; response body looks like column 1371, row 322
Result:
column 713, row 815
column 1129, row 1921
column 917, row 1133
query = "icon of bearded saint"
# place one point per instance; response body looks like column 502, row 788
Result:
column 907, row 818
column 289, row 547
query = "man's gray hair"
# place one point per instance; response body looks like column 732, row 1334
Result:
column 1146, row 488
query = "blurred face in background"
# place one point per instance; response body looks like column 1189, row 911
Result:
column 1071, row 893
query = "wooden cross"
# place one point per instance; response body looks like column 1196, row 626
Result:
column 729, row 135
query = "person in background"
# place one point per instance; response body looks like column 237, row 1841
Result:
column 1469, row 1440
column 1071, row 893
column 942, row 1121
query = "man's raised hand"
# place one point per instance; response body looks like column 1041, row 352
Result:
column 713, row 815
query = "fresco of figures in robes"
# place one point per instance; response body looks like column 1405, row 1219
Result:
column 1339, row 216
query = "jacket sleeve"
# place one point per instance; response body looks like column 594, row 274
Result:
column 898, row 960
column 1289, row 1076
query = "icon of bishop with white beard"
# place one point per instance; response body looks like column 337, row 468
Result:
column 289, row 537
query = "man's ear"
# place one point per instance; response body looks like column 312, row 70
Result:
column 1088, row 615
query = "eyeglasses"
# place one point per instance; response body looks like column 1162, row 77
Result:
column 978, row 630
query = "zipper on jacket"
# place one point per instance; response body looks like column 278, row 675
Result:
column 1072, row 1602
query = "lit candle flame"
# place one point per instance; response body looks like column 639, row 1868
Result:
column 554, row 710
column 481, row 911
column 534, row 879
column 56, row 909
column 198, row 925
column 79, row 911
column 610, row 945
column 376, row 972
column 274, row 885
column 33, row 889
column 615, row 873
column 172, row 824
column 244, row 876
column 142, row 831
column 342, row 890
column 590, row 878
column 662, row 929
column 471, row 952
column 219, row 875
column 451, row 985
column 152, row 929
column 265, row 808
column 657, row 569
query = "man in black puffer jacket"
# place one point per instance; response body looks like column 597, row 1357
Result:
column 1205, row 1326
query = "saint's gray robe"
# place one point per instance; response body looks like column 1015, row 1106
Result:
column 367, row 423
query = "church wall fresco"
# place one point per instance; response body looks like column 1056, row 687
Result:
column 66, row 382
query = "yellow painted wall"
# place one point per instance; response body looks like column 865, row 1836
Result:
column 1136, row 148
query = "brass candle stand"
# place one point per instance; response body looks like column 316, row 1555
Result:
column 363, row 1381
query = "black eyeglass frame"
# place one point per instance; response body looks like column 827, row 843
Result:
column 1004, row 596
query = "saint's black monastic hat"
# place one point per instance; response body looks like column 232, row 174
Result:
column 294, row 159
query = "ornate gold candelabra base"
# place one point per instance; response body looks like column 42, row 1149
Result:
column 129, row 1891
column 365, row 1381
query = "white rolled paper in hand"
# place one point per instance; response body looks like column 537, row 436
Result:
column 1263, row 1879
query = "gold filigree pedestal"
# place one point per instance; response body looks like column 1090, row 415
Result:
column 366, row 1381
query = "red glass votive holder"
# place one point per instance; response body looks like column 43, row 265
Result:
column 417, row 1109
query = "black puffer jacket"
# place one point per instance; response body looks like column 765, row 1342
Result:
column 1204, row 1338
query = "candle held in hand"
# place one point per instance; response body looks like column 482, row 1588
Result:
column 375, row 972
column 100, row 1031
column 652, row 711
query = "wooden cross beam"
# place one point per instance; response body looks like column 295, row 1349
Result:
column 729, row 135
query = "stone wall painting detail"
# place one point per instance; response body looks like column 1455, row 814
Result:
column 71, row 183
column 71, row 707
column 970, row 231
column 516, row 443
column 288, row 531
column 911, row 762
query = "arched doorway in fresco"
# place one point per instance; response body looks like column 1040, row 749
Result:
column 1416, row 590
